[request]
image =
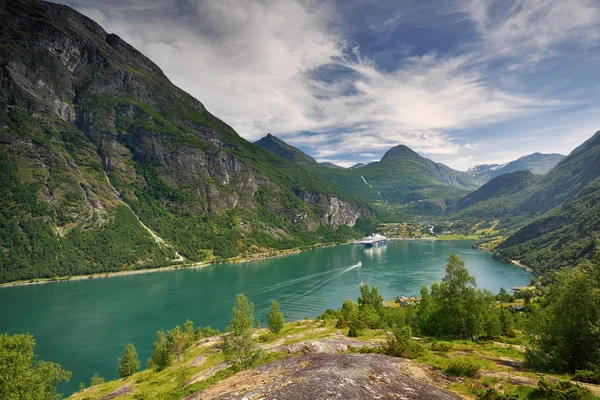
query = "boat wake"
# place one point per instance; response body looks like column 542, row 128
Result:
column 311, row 276
column 325, row 282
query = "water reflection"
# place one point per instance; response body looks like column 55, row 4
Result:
column 375, row 253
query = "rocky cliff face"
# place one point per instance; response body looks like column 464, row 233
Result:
column 332, row 210
column 90, row 123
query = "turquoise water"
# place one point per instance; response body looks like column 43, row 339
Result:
column 85, row 325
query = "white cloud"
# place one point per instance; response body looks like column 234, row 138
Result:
column 253, row 63
column 532, row 29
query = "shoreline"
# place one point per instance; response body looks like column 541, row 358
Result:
column 202, row 264
column 523, row 266
column 173, row 267
column 449, row 238
column 508, row 261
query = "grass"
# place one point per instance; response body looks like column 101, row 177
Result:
column 491, row 244
column 464, row 366
column 164, row 384
column 483, row 365
column 168, row 384
column 458, row 237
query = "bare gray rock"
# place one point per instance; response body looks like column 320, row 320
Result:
column 123, row 390
column 326, row 376
column 327, row 346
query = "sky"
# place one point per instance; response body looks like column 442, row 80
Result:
column 463, row 82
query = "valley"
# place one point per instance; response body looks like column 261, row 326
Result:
column 485, row 284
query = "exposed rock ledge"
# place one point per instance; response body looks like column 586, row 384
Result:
column 326, row 376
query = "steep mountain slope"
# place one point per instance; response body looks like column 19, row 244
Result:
column 107, row 165
column 282, row 149
column 553, row 218
column 537, row 163
column 501, row 186
column 563, row 237
column 403, row 181
column 569, row 230
column 567, row 179
column 402, row 177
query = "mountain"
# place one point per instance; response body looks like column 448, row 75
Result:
column 568, row 230
column 537, row 163
column 552, row 220
column 402, row 177
column 106, row 165
column 289, row 152
column 330, row 165
column 403, row 181
column 355, row 166
column 282, row 149
column 500, row 186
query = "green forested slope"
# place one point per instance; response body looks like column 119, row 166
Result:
column 402, row 178
column 554, row 218
column 560, row 238
column 92, row 133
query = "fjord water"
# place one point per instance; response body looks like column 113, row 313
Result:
column 85, row 325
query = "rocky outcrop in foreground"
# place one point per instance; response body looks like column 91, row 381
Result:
column 326, row 376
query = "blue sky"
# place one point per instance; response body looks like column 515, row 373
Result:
column 462, row 82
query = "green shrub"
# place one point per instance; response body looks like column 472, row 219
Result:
column 267, row 337
column 537, row 360
column 563, row 390
column 161, row 357
column 397, row 342
column 239, row 348
column 416, row 349
column 587, row 376
column 96, row 380
column 463, row 366
column 493, row 394
column 354, row 330
column 441, row 347
column 207, row 331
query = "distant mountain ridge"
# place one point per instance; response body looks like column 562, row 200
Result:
column 401, row 177
column 330, row 165
column 358, row 165
column 537, row 163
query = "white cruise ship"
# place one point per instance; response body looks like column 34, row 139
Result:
column 374, row 240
